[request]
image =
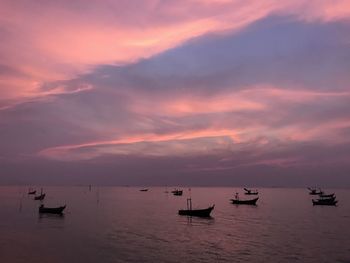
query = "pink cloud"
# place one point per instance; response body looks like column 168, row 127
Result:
column 71, row 38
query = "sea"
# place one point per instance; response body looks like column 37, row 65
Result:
column 123, row 224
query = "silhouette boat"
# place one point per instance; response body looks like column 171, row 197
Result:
column 314, row 191
column 51, row 210
column 143, row 190
column 40, row 197
column 177, row 192
column 250, row 191
column 325, row 201
column 196, row 212
column 244, row 202
column 32, row 192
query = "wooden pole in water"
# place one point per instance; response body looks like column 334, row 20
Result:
column 189, row 204
column 189, row 189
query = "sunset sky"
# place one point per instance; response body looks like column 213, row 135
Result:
column 195, row 92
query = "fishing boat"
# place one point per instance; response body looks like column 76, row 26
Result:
column 325, row 201
column 177, row 192
column 51, row 210
column 244, row 202
column 250, row 191
column 196, row 212
column 32, row 192
column 39, row 197
column 314, row 191
column 143, row 190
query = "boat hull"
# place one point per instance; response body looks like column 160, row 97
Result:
column 51, row 210
column 197, row 212
column 244, row 202
column 331, row 202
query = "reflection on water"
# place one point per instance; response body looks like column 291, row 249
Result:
column 122, row 224
column 50, row 216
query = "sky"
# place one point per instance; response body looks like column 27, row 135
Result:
column 175, row 92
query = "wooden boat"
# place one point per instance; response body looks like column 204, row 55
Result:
column 250, row 192
column 244, row 202
column 143, row 190
column 314, row 191
column 195, row 212
column 39, row 197
column 51, row 210
column 32, row 192
column 328, row 201
column 177, row 192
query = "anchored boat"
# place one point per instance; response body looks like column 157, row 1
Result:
column 177, row 192
column 51, row 210
column 244, row 202
column 196, row 212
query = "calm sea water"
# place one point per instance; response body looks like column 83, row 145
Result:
column 122, row 224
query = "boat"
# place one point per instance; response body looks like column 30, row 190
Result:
column 143, row 190
column 177, row 192
column 51, row 210
column 196, row 212
column 32, row 192
column 327, row 201
column 244, row 202
column 39, row 197
column 250, row 191
column 314, row 191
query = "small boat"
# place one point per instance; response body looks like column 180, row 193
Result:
column 39, row 197
column 328, row 201
column 244, row 202
column 32, row 192
column 51, row 210
column 314, row 191
column 196, row 212
column 143, row 190
column 177, row 192
column 250, row 191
